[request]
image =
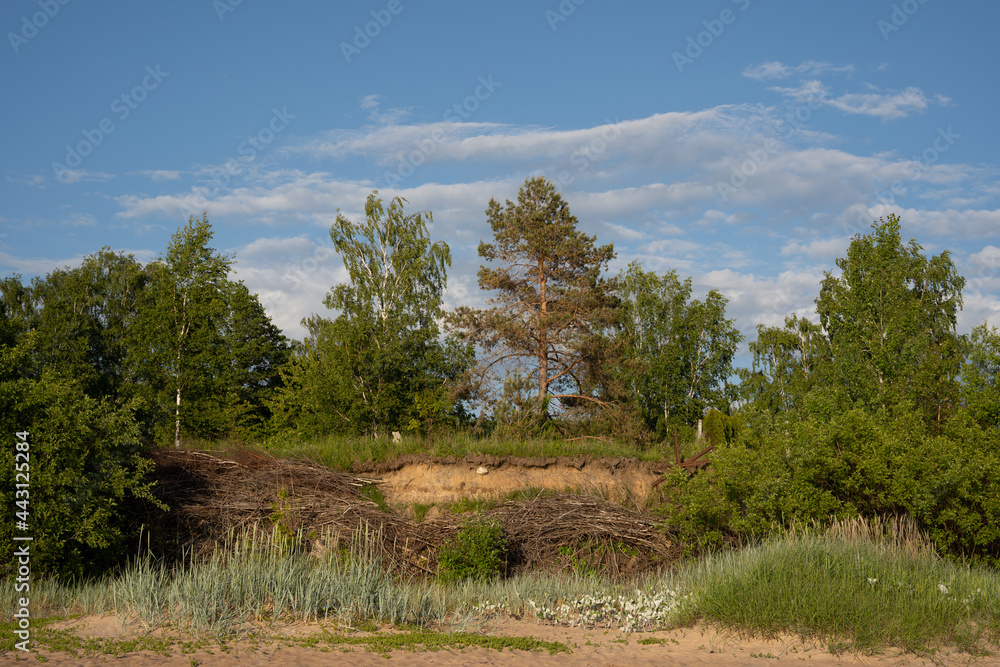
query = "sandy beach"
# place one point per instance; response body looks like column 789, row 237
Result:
column 286, row 645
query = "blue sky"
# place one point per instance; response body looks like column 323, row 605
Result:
column 739, row 142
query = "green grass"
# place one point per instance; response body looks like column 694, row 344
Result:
column 373, row 493
column 342, row 452
column 420, row 511
column 860, row 587
column 466, row 504
column 854, row 589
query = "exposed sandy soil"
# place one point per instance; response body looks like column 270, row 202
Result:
column 687, row 646
column 419, row 479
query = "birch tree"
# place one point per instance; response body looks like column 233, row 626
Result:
column 380, row 362
column 677, row 352
column 184, row 314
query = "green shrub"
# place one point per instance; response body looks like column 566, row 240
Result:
column 852, row 464
column 721, row 428
column 479, row 551
column 85, row 468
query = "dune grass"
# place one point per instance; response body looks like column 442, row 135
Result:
column 861, row 587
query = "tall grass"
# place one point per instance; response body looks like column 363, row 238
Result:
column 861, row 586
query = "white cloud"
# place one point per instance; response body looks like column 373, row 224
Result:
column 78, row 219
column 949, row 223
column 160, row 174
column 777, row 70
column 291, row 276
column 887, row 105
column 651, row 190
column 70, row 176
column 34, row 180
column 762, row 300
column 890, row 105
column 35, row 266
column 825, row 249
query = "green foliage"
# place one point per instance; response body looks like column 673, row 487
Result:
column 380, row 364
column 479, row 551
column 85, row 468
column 143, row 335
column 981, row 376
column 788, row 364
column 420, row 511
column 207, row 354
column 550, row 302
column 467, row 504
column 677, row 354
column 856, row 464
column 890, row 319
column 82, row 317
column 887, row 339
column 721, row 428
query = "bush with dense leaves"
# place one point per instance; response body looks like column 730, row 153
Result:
column 479, row 551
column 85, row 467
column 854, row 464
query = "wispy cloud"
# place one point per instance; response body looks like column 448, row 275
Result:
column 78, row 219
column 887, row 105
column 160, row 174
column 392, row 116
column 776, row 70
column 70, row 176
column 34, row 180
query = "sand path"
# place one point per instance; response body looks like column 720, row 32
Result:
column 687, row 646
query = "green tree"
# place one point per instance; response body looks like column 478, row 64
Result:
column 787, row 364
column 206, row 351
column 551, row 303
column 981, row 376
column 677, row 352
column 83, row 317
column 890, row 318
column 182, row 315
column 82, row 457
column 380, row 364
column 256, row 353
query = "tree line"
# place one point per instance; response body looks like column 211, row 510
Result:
column 880, row 407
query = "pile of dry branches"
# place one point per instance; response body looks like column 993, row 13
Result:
column 213, row 497
column 579, row 530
